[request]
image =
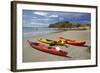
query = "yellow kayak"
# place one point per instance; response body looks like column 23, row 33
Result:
column 52, row 42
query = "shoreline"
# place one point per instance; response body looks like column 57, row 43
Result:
column 53, row 32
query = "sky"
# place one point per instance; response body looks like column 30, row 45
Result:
column 33, row 18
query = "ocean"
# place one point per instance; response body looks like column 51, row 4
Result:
column 37, row 31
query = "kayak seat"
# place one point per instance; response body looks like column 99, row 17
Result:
column 48, row 40
column 35, row 43
column 60, row 41
column 54, row 42
column 49, row 47
column 61, row 51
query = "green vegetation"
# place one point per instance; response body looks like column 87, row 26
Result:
column 67, row 24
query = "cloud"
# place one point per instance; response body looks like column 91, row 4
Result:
column 40, row 19
column 54, row 16
column 40, row 13
column 75, row 15
column 61, row 18
column 46, row 14
column 34, row 24
column 34, row 17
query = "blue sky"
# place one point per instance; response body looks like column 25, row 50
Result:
column 32, row 18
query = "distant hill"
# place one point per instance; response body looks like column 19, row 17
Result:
column 67, row 24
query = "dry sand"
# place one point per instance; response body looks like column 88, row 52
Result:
column 77, row 53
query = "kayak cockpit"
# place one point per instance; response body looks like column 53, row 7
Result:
column 34, row 43
column 48, row 40
column 49, row 47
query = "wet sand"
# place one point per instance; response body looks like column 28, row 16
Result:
column 77, row 53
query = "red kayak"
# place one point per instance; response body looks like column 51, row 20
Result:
column 47, row 49
column 73, row 42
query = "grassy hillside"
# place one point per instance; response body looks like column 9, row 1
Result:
column 67, row 24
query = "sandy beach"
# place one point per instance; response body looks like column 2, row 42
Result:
column 77, row 53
